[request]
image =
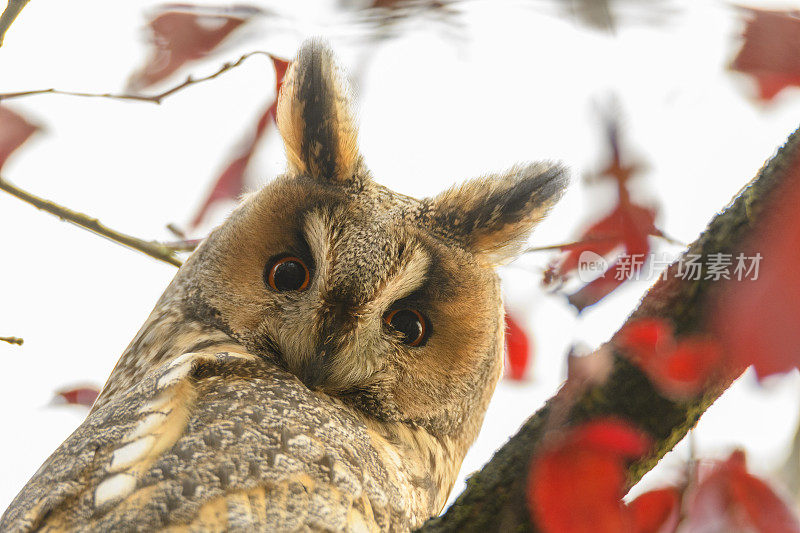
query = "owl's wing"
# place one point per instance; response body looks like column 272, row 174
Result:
column 213, row 442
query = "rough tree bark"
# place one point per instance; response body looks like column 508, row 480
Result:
column 494, row 499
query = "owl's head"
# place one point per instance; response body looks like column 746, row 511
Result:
column 384, row 301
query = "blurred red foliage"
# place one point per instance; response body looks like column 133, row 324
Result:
column 78, row 396
column 624, row 231
column 679, row 368
column 576, row 483
column 657, row 511
column 728, row 498
column 518, row 350
column 184, row 33
column 14, row 130
column 230, row 184
column 769, row 52
column 756, row 319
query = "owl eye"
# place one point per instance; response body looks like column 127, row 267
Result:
column 410, row 323
column 288, row 274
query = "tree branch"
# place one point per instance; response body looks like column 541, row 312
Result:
column 576, row 244
column 184, row 245
column 494, row 499
column 153, row 99
column 13, row 8
column 557, row 247
column 154, row 249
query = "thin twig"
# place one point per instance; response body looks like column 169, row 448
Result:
column 691, row 464
column 12, row 340
column 671, row 240
column 570, row 245
column 153, row 99
column 10, row 13
column 154, row 249
column 575, row 244
column 183, row 245
column 175, row 230
column 552, row 247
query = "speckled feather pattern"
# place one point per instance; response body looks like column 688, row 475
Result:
column 258, row 452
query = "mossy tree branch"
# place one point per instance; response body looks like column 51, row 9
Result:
column 494, row 499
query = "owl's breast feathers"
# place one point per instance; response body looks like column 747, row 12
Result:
column 225, row 441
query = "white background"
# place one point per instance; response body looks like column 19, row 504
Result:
column 521, row 82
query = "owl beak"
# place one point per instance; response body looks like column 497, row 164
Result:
column 317, row 370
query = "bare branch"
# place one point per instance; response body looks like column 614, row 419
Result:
column 183, row 245
column 583, row 242
column 10, row 13
column 552, row 247
column 153, row 99
column 175, row 230
column 154, row 249
column 12, row 340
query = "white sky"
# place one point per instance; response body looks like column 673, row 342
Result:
column 523, row 84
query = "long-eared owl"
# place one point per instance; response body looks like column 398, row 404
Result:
column 322, row 361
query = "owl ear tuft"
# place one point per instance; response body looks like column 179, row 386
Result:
column 314, row 117
column 494, row 215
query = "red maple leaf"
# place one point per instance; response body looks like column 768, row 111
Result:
column 184, row 33
column 769, row 52
column 656, row 511
column 755, row 314
column 729, row 498
column 626, row 228
column 78, row 395
column 624, row 231
column 14, row 130
column 230, row 183
column 679, row 368
column 576, row 484
column 518, row 350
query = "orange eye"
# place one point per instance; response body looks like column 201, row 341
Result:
column 288, row 274
column 410, row 323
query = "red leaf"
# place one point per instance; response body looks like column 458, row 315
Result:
column 518, row 350
column 14, row 130
column 625, row 230
column 728, row 498
column 183, row 33
column 769, row 52
column 230, row 183
column 679, row 368
column 78, row 396
column 613, row 437
column 690, row 365
column 576, row 484
column 756, row 319
column 578, row 492
column 647, row 336
column 657, row 511
column 597, row 289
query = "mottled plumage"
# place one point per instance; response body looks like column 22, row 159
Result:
column 247, row 405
